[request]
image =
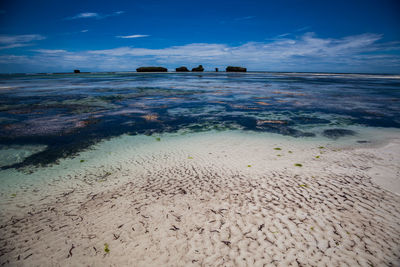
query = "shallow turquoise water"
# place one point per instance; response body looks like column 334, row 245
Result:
column 65, row 114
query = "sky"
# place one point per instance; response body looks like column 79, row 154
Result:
column 287, row 35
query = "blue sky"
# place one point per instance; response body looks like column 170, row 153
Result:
column 287, row 35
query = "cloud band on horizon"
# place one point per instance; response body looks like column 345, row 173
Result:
column 356, row 53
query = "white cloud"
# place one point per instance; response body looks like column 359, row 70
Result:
column 196, row 50
column 133, row 36
column 303, row 28
column 50, row 51
column 357, row 53
column 12, row 41
column 9, row 39
column 93, row 15
column 13, row 46
column 283, row 35
column 84, row 30
column 245, row 18
column 307, row 45
column 86, row 15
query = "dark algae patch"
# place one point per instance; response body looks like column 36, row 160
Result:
column 338, row 133
column 70, row 113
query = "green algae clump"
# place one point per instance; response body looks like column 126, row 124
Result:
column 82, row 160
column 158, row 139
column 277, row 148
column 249, row 166
column 298, row 165
column 106, row 248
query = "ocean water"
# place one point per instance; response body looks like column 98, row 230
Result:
column 45, row 118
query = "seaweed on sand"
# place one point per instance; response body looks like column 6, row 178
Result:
column 106, row 248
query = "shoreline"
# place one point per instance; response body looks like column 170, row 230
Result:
column 210, row 198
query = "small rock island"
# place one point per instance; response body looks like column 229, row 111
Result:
column 151, row 69
column 181, row 69
column 199, row 68
column 235, row 69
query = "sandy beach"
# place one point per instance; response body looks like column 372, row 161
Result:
column 211, row 199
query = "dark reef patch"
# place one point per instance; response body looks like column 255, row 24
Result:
column 337, row 133
column 309, row 120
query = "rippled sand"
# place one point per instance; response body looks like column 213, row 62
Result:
column 208, row 199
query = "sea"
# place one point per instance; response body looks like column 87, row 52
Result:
column 45, row 118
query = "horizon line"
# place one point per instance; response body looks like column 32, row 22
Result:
column 209, row 71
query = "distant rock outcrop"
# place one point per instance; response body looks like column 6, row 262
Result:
column 151, row 69
column 216, row 69
column 199, row 68
column 77, row 71
column 181, row 69
column 235, row 69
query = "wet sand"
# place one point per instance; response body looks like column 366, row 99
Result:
column 207, row 200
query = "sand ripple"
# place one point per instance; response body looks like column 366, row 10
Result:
column 208, row 208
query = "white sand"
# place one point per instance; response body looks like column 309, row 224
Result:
column 207, row 199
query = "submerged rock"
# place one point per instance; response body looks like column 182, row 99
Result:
column 235, row 69
column 151, row 69
column 181, row 69
column 309, row 120
column 199, row 68
column 337, row 133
